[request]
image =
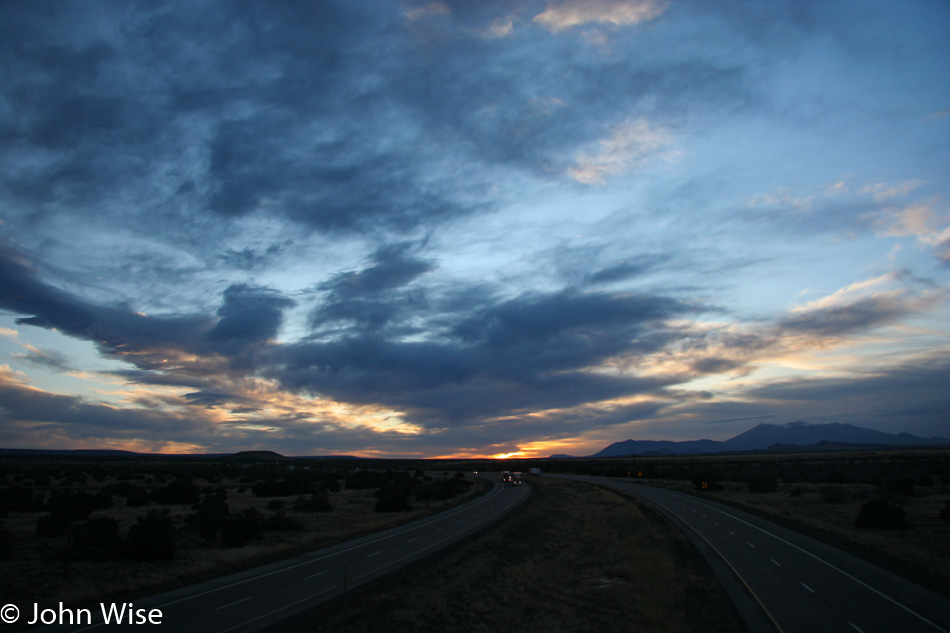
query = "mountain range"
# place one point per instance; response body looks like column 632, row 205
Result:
column 791, row 436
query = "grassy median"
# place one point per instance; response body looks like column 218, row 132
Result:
column 577, row 558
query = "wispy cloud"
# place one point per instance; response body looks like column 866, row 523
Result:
column 885, row 191
column 627, row 146
column 564, row 14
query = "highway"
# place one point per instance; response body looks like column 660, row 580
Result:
column 784, row 581
column 254, row 599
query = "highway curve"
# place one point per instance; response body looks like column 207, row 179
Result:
column 784, row 581
column 256, row 598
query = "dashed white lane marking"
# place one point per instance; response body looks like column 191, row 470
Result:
column 325, row 571
column 808, row 588
column 731, row 532
column 775, row 561
column 231, row 604
column 716, row 522
column 855, row 626
column 375, row 554
column 838, row 569
column 438, row 529
column 413, row 539
column 750, row 545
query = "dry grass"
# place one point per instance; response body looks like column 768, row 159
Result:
column 923, row 546
column 577, row 558
column 38, row 572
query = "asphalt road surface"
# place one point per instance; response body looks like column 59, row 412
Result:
column 785, row 581
column 253, row 599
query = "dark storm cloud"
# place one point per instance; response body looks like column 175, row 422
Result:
column 79, row 418
column 249, row 258
column 506, row 357
column 114, row 330
column 510, row 356
column 392, row 267
column 288, row 104
column 336, row 117
column 249, row 316
column 374, row 297
column 841, row 320
column 514, row 111
column 535, row 320
column 209, row 399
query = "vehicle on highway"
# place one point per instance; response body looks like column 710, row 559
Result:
column 516, row 479
column 506, row 478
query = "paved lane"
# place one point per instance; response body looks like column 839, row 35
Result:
column 800, row 584
column 253, row 599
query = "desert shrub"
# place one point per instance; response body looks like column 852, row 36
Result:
column 152, row 537
column 241, row 527
column 135, row 496
column 882, row 514
column 761, row 483
column 210, row 515
column 137, row 500
column 442, row 488
column 214, row 502
column 102, row 500
column 275, row 504
column 331, row 482
column 363, row 479
column 791, row 475
column 833, row 494
column 945, row 513
column 72, row 506
column 899, row 486
column 52, row 525
column 393, row 498
column 280, row 488
column 7, row 541
column 179, row 491
column 280, row 522
column 316, row 502
column 96, row 539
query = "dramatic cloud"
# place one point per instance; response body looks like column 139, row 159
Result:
column 456, row 228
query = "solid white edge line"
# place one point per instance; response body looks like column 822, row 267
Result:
column 818, row 558
column 478, row 501
column 488, row 497
column 231, row 604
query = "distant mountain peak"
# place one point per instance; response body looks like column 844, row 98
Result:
column 776, row 436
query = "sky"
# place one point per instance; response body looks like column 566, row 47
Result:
column 467, row 229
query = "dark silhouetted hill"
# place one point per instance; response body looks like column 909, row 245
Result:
column 794, row 436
